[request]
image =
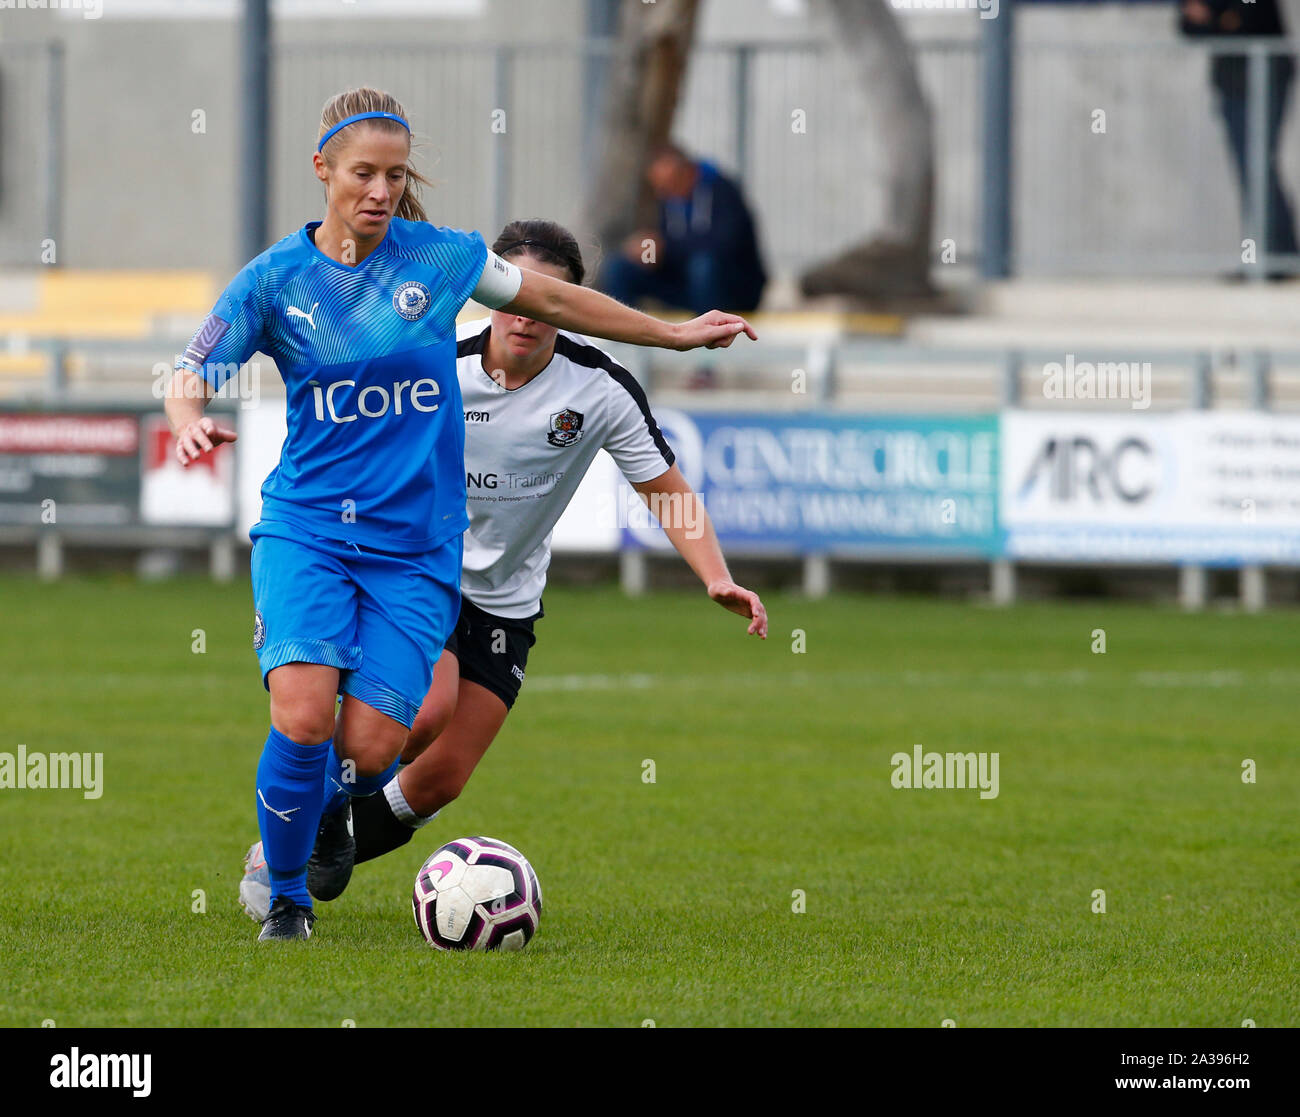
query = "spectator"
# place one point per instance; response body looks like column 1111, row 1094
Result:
column 1228, row 19
column 705, row 253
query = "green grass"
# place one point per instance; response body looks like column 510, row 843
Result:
column 672, row 901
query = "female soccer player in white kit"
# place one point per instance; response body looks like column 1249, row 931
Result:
column 356, row 559
column 539, row 404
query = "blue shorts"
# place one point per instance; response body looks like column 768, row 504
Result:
column 381, row 618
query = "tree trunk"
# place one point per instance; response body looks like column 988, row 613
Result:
column 895, row 261
column 646, row 74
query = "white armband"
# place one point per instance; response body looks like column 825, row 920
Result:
column 499, row 283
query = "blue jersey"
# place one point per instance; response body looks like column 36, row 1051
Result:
column 375, row 452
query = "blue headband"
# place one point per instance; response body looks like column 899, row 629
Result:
column 360, row 116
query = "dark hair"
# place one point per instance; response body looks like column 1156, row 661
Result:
column 668, row 150
column 545, row 241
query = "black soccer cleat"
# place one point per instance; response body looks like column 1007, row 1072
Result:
column 330, row 867
column 287, row 921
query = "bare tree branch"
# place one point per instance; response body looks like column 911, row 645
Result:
column 647, row 71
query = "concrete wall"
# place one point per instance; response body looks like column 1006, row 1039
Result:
column 143, row 189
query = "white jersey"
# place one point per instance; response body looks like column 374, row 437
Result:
column 527, row 449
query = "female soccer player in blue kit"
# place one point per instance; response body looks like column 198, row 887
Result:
column 518, row 378
column 357, row 557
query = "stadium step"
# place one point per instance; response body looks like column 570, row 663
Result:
column 113, row 304
column 1075, row 314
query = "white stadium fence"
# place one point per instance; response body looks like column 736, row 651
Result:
column 827, row 452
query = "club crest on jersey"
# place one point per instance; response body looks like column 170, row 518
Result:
column 411, row 300
column 566, row 428
column 259, row 631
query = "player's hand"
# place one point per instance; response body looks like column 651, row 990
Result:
column 715, row 330
column 200, row 437
column 742, row 601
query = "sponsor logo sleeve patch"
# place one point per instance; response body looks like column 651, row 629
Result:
column 205, row 339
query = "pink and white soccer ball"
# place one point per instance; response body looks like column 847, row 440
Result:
column 477, row 894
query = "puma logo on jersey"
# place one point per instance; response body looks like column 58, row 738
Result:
column 294, row 312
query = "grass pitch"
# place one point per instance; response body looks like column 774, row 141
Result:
column 674, row 901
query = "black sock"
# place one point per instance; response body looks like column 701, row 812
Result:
column 375, row 828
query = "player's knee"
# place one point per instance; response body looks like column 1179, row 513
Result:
column 451, row 786
column 428, row 798
column 455, row 779
column 374, row 757
column 302, row 723
column 423, row 733
column 434, row 788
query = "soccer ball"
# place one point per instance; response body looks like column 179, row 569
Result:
column 476, row 894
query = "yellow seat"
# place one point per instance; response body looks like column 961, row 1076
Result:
column 110, row 303
column 23, row 364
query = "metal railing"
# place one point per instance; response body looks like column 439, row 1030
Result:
column 838, row 372
column 1148, row 187
column 532, row 158
column 32, row 184
column 1004, row 376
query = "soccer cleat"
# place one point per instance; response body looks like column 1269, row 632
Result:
column 330, row 867
column 255, row 888
column 287, row 921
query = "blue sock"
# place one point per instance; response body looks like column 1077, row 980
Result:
column 288, row 811
column 339, row 790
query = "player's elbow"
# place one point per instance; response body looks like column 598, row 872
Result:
column 545, row 298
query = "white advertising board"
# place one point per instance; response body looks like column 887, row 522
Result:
column 1215, row 487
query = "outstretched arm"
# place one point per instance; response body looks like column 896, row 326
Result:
column 685, row 521
column 585, row 311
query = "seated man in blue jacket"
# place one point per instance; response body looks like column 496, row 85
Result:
column 705, row 253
